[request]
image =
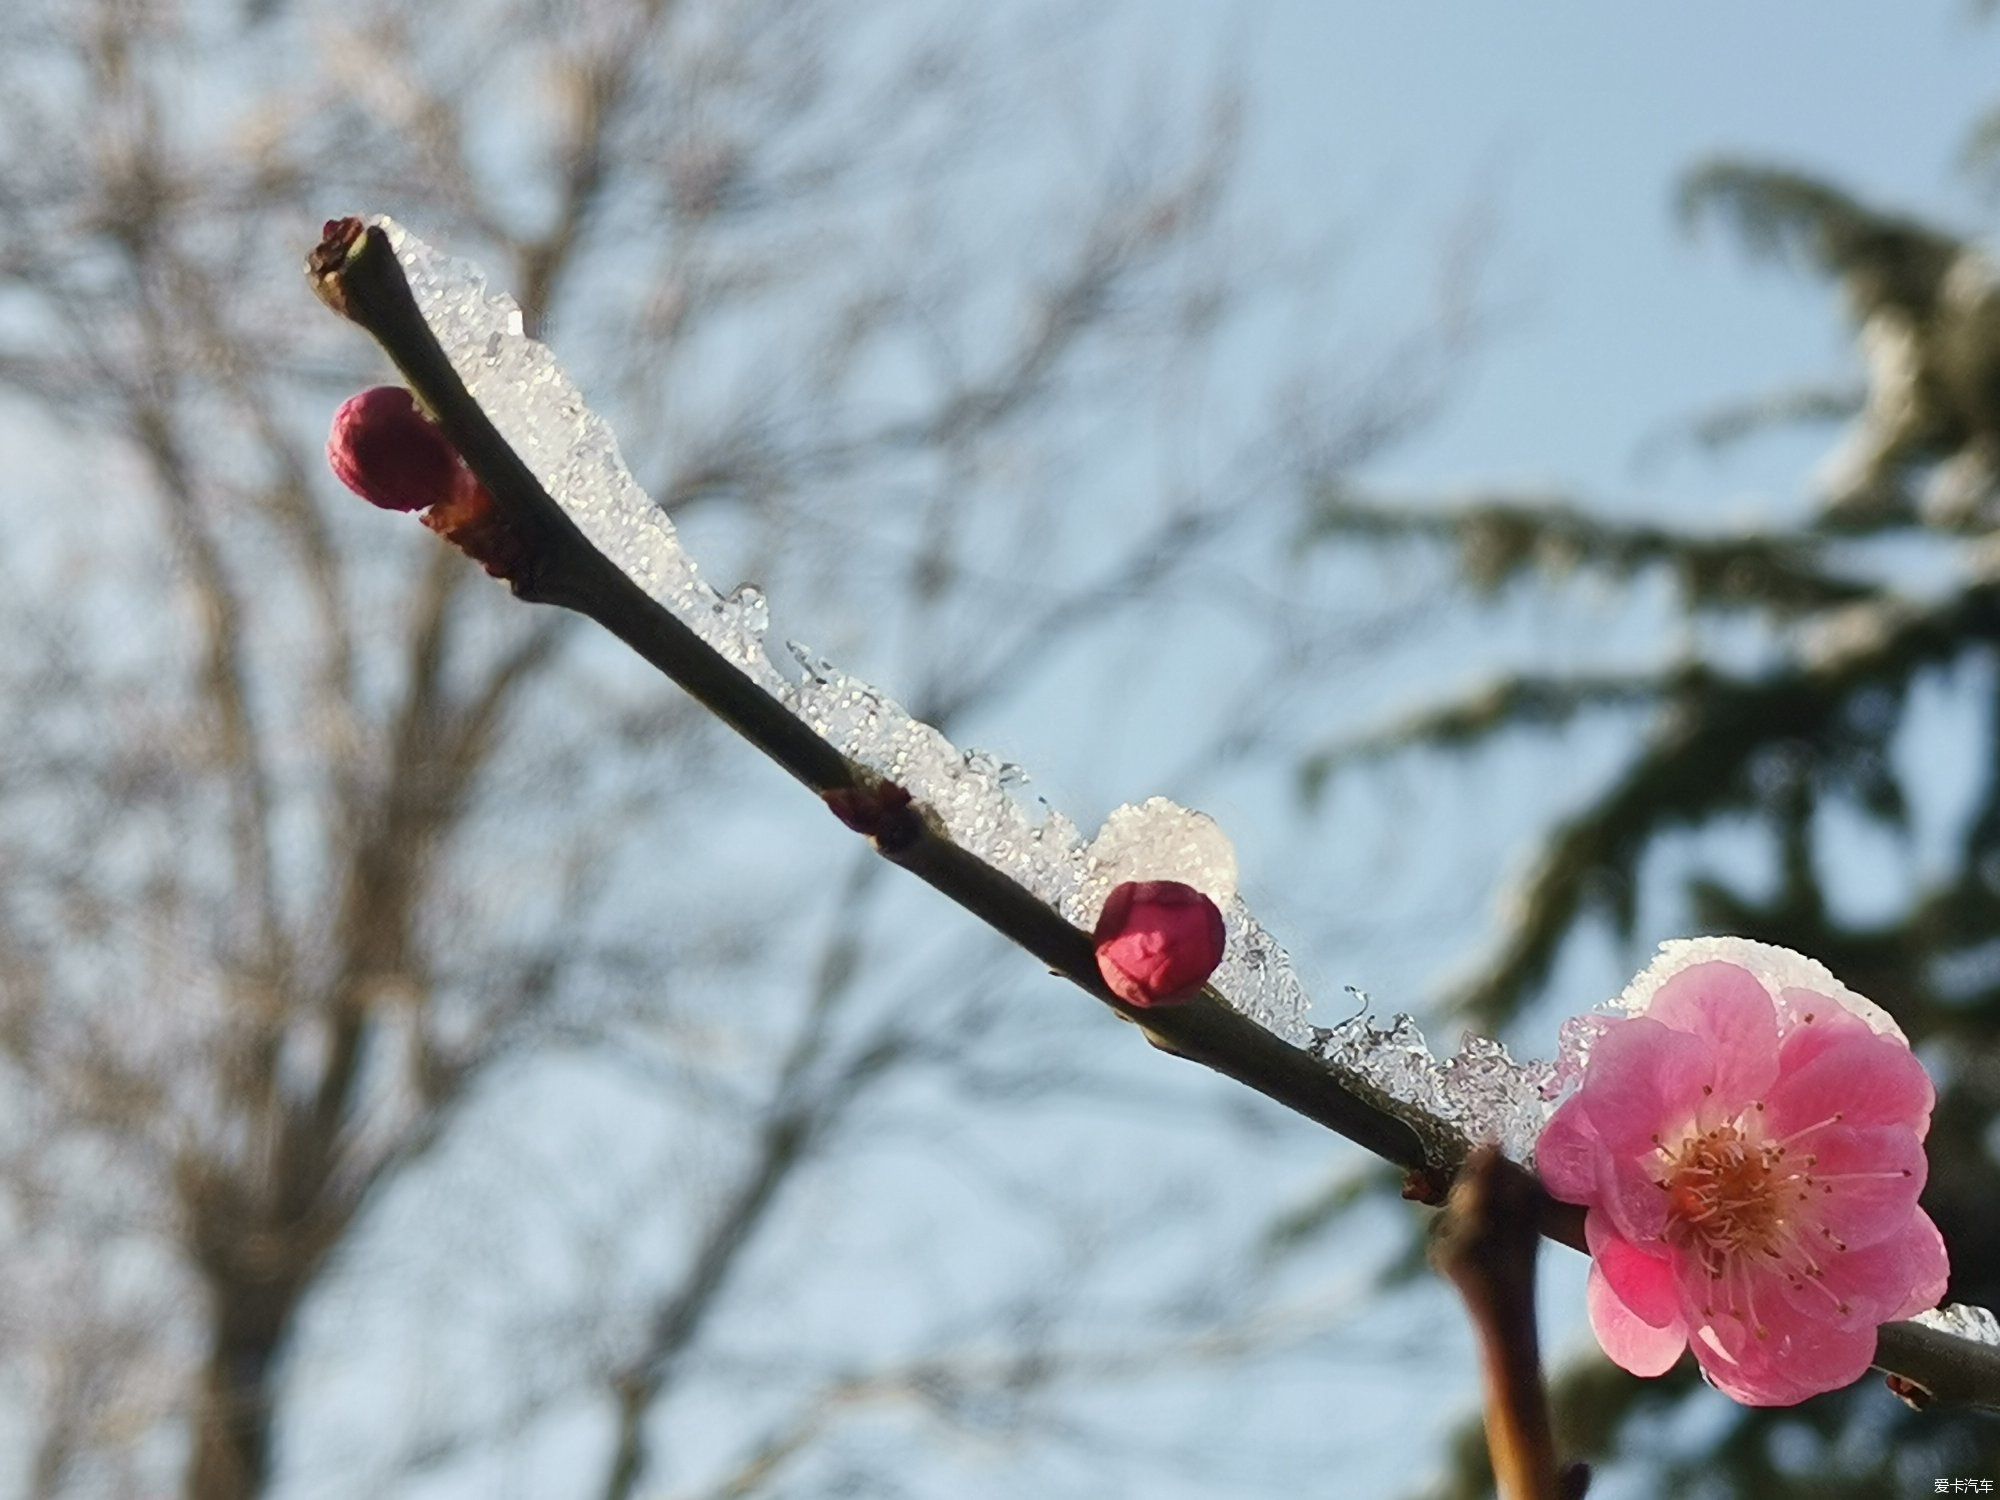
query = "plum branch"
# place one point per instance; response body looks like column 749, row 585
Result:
column 356, row 272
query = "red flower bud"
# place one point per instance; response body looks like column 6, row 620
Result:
column 386, row 451
column 1157, row 941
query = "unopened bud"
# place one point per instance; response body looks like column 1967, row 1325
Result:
column 386, row 451
column 1158, row 941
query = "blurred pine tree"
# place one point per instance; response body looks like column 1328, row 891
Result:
column 1775, row 748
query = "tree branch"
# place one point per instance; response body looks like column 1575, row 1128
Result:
column 356, row 273
column 1507, row 702
column 1485, row 1246
column 1505, row 536
column 1698, row 761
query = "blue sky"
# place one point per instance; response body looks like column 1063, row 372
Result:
column 1577, row 120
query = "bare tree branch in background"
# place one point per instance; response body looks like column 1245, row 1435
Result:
column 305, row 845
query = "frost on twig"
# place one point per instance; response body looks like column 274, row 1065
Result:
column 1963, row 1321
column 982, row 802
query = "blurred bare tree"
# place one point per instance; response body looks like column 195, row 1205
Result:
column 307, row 831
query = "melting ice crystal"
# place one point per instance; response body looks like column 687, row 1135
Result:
column 983, row 802
column 1480, row 1093
column 1975, row 1323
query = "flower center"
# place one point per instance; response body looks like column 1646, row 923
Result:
column 1726, row 1196
column 1743, row 1204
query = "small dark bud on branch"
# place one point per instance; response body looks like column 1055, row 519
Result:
column 1912, row 1395
column 470, row 520
column 881, row 812
column 1426, row 1185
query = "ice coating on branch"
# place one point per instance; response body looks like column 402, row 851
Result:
column 541, row 413
column 1258, row 978
column 1489, row 1096
column 1161, row 840
column 1480, row 1093
column 1964, row 1321
column 538, row 409
column 982, row 802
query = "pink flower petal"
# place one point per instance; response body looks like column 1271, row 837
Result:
column 1727, row 1008
column 1795, row 1359
column 1566, row 1153
column 1704, row 1298
column 1644, row 1283
column 1644, row 1079
column 1576, row 1168
column 1811, row 1021
column 1901, row 1275
column 1866, row 1080
column 1864, row 1181
column 1916, row 1258
column 1631, row 1342
column 1630, row 1193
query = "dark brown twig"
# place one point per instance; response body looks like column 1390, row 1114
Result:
column 1485, row 1244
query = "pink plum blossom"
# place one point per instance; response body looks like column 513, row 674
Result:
column 1749, row 1142
column 1158, row 941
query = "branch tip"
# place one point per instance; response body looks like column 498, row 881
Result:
column 341, row 240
